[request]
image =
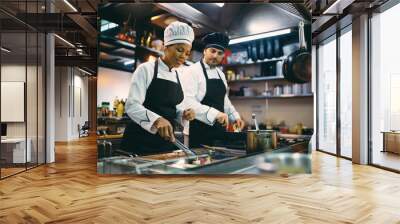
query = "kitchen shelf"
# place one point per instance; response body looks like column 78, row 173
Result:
column 268, row 78
column 257, row 62
column 127, row 45
column 269, row 97
column 281, row 135
column 153, row 51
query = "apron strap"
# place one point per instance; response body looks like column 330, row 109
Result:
column 204, row 69
column 155, row 69
column 219, row 75
column 177, row 78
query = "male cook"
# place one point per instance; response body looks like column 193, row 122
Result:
column 206, row 91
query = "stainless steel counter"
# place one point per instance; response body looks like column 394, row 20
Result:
column 287, row 159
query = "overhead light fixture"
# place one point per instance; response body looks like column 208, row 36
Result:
column 64, row 40
column 220, row 4
column 259, row 36
column 86, row 72
column 129, row 62
column 331, row 7
column 337, row 7
column 157, row 17
column 5, row 50
column 70, row 5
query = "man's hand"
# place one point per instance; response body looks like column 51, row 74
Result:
column 222, row 118
column 188, row 114
column 239, row 124
column 164, row 129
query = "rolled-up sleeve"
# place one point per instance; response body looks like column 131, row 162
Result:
column 229, row 109
column 137, row 93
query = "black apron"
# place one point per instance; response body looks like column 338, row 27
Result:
column 199, row 132
column 162, row 96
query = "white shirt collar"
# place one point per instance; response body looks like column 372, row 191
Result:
column 164, row 67
column 207, row 66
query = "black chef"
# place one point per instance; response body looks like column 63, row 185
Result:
column 156, row 100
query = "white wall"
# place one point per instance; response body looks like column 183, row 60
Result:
column 290, row 110
column 112, row 83
column 71, row 96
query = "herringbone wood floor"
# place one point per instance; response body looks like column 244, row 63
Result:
column 70, row 191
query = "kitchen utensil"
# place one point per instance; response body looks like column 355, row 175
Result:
column 269, row 53
column 306, row 88
column 223, row 149
column 184, row 148
column 261, row 54
column 287, row 89
column 253, row 117
column 277, row 48
column 278, row 71
column 297, row 66
column 278, row 90
column 248, row 91
column 261, row 140
column 249, row 52
column 254, row 51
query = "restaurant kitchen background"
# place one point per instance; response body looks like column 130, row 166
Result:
column 263, row 36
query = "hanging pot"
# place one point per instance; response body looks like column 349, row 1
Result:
column 277, row 48
column 297, row 65
column 261, row 53
column 248, row 51
column 269, row 49
column 254, row 51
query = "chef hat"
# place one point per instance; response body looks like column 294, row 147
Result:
column 216, row 40
column 178, row 32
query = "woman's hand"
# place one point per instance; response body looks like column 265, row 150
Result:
column 164, row 129
column 188, row 114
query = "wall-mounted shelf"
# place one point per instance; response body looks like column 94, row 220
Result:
column 259, row 79
column 257, row 62
column 150, row 50
column 269, row 97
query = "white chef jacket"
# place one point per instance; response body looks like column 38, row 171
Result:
column 141, row 80
column 194, row 87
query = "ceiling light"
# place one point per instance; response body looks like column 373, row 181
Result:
column 335, row 7
column 259, row 36
column 5, row 50
column 64, row 40
column 129, row 62
column 220, row 4
column 70, row 5
column 157, row 17
column 86, row 72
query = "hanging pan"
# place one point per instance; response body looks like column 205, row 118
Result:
column 297, row 65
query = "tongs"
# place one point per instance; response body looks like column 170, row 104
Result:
column 184, row 148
